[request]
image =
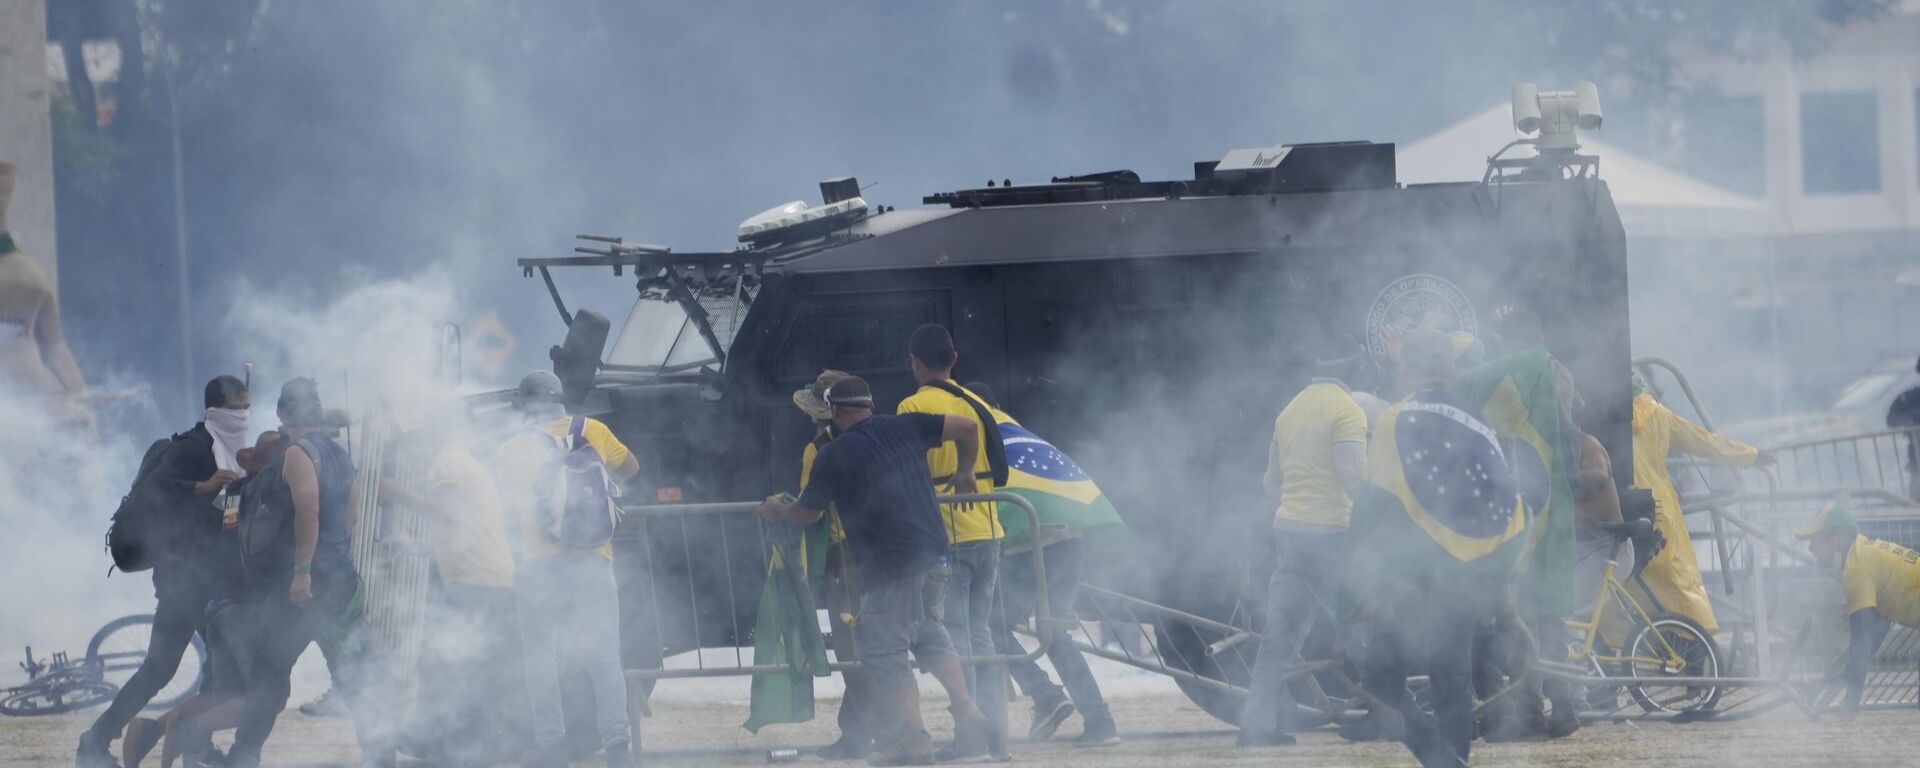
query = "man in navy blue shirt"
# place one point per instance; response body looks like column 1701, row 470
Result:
column 875, row 473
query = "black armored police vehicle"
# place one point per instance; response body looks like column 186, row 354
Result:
column 1151, row 329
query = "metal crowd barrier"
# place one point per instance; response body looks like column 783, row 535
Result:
column 639, row 681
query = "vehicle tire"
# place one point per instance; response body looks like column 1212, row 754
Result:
column 1183, row 646
column 120, row 646
column 59, row 697
column 1701, row 657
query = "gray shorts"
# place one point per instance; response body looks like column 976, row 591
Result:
column 898, row 615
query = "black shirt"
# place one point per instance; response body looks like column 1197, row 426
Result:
column 193, row 521
column 876, row 475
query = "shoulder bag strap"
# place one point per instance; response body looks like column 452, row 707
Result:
column 996, row 449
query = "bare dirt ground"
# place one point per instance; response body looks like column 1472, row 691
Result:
column 1160, row 727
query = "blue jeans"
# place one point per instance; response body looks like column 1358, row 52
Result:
column 569, row 615
column 975, row 567
column 900, row 614
column 1304, row 586
column 1065, row 565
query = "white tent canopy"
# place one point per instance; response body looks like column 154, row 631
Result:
column 1653, row 201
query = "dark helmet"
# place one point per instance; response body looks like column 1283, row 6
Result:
column 538, row 387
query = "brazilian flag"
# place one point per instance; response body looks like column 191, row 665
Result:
column 1061, row 493
column 786, row 632
column 1440, row 517
column 1519, row 396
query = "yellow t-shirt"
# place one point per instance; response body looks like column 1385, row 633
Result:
column 521, row 459
column 1304, row 433
column 470, row 538
column 965, row 522
column 1884, row 576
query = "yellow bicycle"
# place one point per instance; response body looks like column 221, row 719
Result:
column 1660, row 646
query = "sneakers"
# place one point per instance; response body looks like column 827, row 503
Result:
column 545, row 757
column 92, row 752
column 328, row 704
column 972, row 738
column 1564, row 720
column 1378, row 725
column 1098, row 733
column 847, row 748
column 946, row 755
column 1250, row 740
column 912, row 749
column 1047, row 717
column 620, row 756
column 1515, row 728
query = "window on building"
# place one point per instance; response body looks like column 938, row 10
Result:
column 1839, row 142
column 1726, row 143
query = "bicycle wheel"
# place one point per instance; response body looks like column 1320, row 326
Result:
column 1649, row 660
column 120, row 646
column 60, row 696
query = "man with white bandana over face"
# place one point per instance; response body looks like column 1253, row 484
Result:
column 188, row 486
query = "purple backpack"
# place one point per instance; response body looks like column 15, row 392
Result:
column 576, row 505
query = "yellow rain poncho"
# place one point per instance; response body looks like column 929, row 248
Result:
column 1674, row 574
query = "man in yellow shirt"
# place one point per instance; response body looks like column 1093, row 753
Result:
column 1318, row 453
column 973, row 529
column 1882, row 584
column 568, row 609
column 462, row 715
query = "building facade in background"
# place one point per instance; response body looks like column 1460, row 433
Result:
column 26, row 132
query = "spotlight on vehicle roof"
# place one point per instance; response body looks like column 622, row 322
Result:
column 1557, row 116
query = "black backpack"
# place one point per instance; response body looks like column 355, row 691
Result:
column 266, row 527
column 136, row 537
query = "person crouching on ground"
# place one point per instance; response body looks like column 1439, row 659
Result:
column 875, row 475
column 1881, row 580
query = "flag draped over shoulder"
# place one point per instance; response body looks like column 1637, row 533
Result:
column 1440, row 517
column 786, row 632
column 1519, row 396
column 1061, row 493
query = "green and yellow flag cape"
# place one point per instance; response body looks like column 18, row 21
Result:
column 1060, row 492
column 1519, row 396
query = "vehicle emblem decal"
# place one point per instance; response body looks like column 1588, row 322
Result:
column 1418, row 300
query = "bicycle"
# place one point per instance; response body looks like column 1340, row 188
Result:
column 60, row 684
column 1661, row 645
column 56, row 686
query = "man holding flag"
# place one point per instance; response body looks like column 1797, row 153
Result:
column 1528, row 399
column 1076, row 520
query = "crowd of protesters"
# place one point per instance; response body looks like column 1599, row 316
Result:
column 1446, row 521
column 252, row 548
column 910, row 574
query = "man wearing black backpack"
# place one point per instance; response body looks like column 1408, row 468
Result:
column 556, row 478
column 180, row 501
column 296, row 553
